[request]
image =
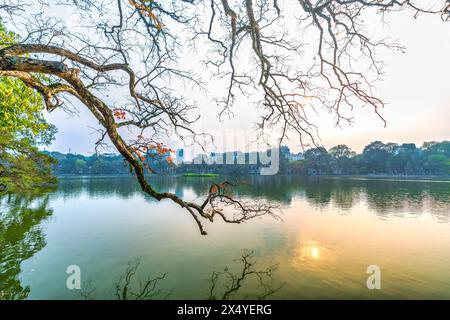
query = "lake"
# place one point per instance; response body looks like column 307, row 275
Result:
column 331, row 231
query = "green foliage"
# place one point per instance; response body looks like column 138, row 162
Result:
column 318, row 161
column 345, row 161
column 433, row 158
column 22, row 129
column 22, row 166
column 20, row 108
column 92, row 165
column 200, row 175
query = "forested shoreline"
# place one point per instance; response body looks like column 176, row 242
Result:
column 377, row 159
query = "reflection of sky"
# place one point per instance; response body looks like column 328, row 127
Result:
column 322, row 253
column 102, row 224
column 335, row 251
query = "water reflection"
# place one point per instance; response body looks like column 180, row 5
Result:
column 20, row 238
column 332, row 230
column 311, row 250
column 241, row 280
column 311, row 254
column 385, row 197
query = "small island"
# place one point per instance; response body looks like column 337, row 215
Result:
column 200, row 175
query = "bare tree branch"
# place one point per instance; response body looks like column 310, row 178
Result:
column 137, row 49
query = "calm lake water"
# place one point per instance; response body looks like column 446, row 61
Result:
column 332, row 229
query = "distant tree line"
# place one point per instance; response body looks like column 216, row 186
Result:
column 378, row 158
column 88, row 165
column 433, row 158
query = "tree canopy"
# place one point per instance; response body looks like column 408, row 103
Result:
column 22, row 129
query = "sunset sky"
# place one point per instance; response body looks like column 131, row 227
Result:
column 415, row 87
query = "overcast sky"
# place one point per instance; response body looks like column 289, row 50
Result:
column 416, row 89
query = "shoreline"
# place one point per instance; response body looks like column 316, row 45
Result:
column 360, row 176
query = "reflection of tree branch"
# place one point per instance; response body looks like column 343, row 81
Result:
column 234, row 282
column 126, row 288
column 147, row 290
column 87, row 291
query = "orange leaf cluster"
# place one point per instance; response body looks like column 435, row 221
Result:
column 146, row 11
column 119, row 114
column 159, row 149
